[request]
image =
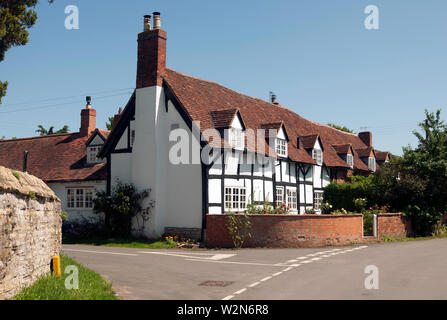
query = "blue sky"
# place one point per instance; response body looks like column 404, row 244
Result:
column 315, row 55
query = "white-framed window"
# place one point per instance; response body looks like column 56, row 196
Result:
column 237, row 138
column 92, row 154
column 350, row 160
column 280, row 196
column 71, row 198
column 235, row 199
column 318, row 200
column 317, row 155
column 80, row 198
column 281, row 147
column 372, row 164
column 292, row 199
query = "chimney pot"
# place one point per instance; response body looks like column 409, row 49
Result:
column 157, row 20
column 151, row 66
column 147, row 23
column 89, row 101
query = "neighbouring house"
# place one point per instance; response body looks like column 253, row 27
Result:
column 67, row 163
column 301, row 157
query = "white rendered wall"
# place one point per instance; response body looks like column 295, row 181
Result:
column 77, row 215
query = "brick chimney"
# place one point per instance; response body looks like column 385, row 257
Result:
column 367, row 138
column 88, row 119
column 151, row 53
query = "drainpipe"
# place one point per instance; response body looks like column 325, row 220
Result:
column 25, row 161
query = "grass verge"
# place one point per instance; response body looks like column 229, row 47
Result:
column 91, row 286
column 124, row 243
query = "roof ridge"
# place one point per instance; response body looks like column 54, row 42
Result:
column 39, row 137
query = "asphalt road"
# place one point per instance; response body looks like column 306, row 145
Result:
column 406, row 270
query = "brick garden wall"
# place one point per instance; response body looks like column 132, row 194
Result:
column 393, row 225
column 30, row 230
column 289, row 231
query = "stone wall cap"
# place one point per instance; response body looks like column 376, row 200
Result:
column 25, row 184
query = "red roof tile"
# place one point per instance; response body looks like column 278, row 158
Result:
column 308, row 142
column 382, row 155
column 223, row 118
column 60, row 157
column 200, row 97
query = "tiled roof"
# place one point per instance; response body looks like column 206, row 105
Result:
column 365, row 152
column 104, row 133
column 382, row 155
column 200, row 98
column 223, row 118
column 308, row 142
column 53, row 158
column 342, row 148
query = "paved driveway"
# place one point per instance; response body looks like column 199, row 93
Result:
column 407, row 270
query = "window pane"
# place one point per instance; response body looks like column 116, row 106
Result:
column 79, row 198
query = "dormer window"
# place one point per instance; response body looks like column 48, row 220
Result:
column 92, row 155
column 281, row 147
column 372, row 164
column 350, row 160
column 236, row 138
column 317, row 155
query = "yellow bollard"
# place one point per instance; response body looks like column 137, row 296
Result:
column 57, row 266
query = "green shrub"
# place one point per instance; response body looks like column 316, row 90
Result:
column 16, row 175
column 343, row 195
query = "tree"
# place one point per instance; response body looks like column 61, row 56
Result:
column 428, row 162
column 341, row 128
column 415, row 184
column 110, row 123
column 44, row 132
column 15, row 18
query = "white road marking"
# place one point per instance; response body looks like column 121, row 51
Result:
column 241, row 291
column 228, row 298
column 288, row 269
column 307, row 261
column 295, row 265
column 102, row 252
column 316, row 259
column 240, row 263
column 292, row 261
column 302, row 258
column 214, row 257
column 254, row 284
column 277, row 274
column 266, row 279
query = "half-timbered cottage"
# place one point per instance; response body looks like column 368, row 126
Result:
column 300, row 157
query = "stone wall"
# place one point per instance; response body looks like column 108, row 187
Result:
column 289, row 231
column 30, row 230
